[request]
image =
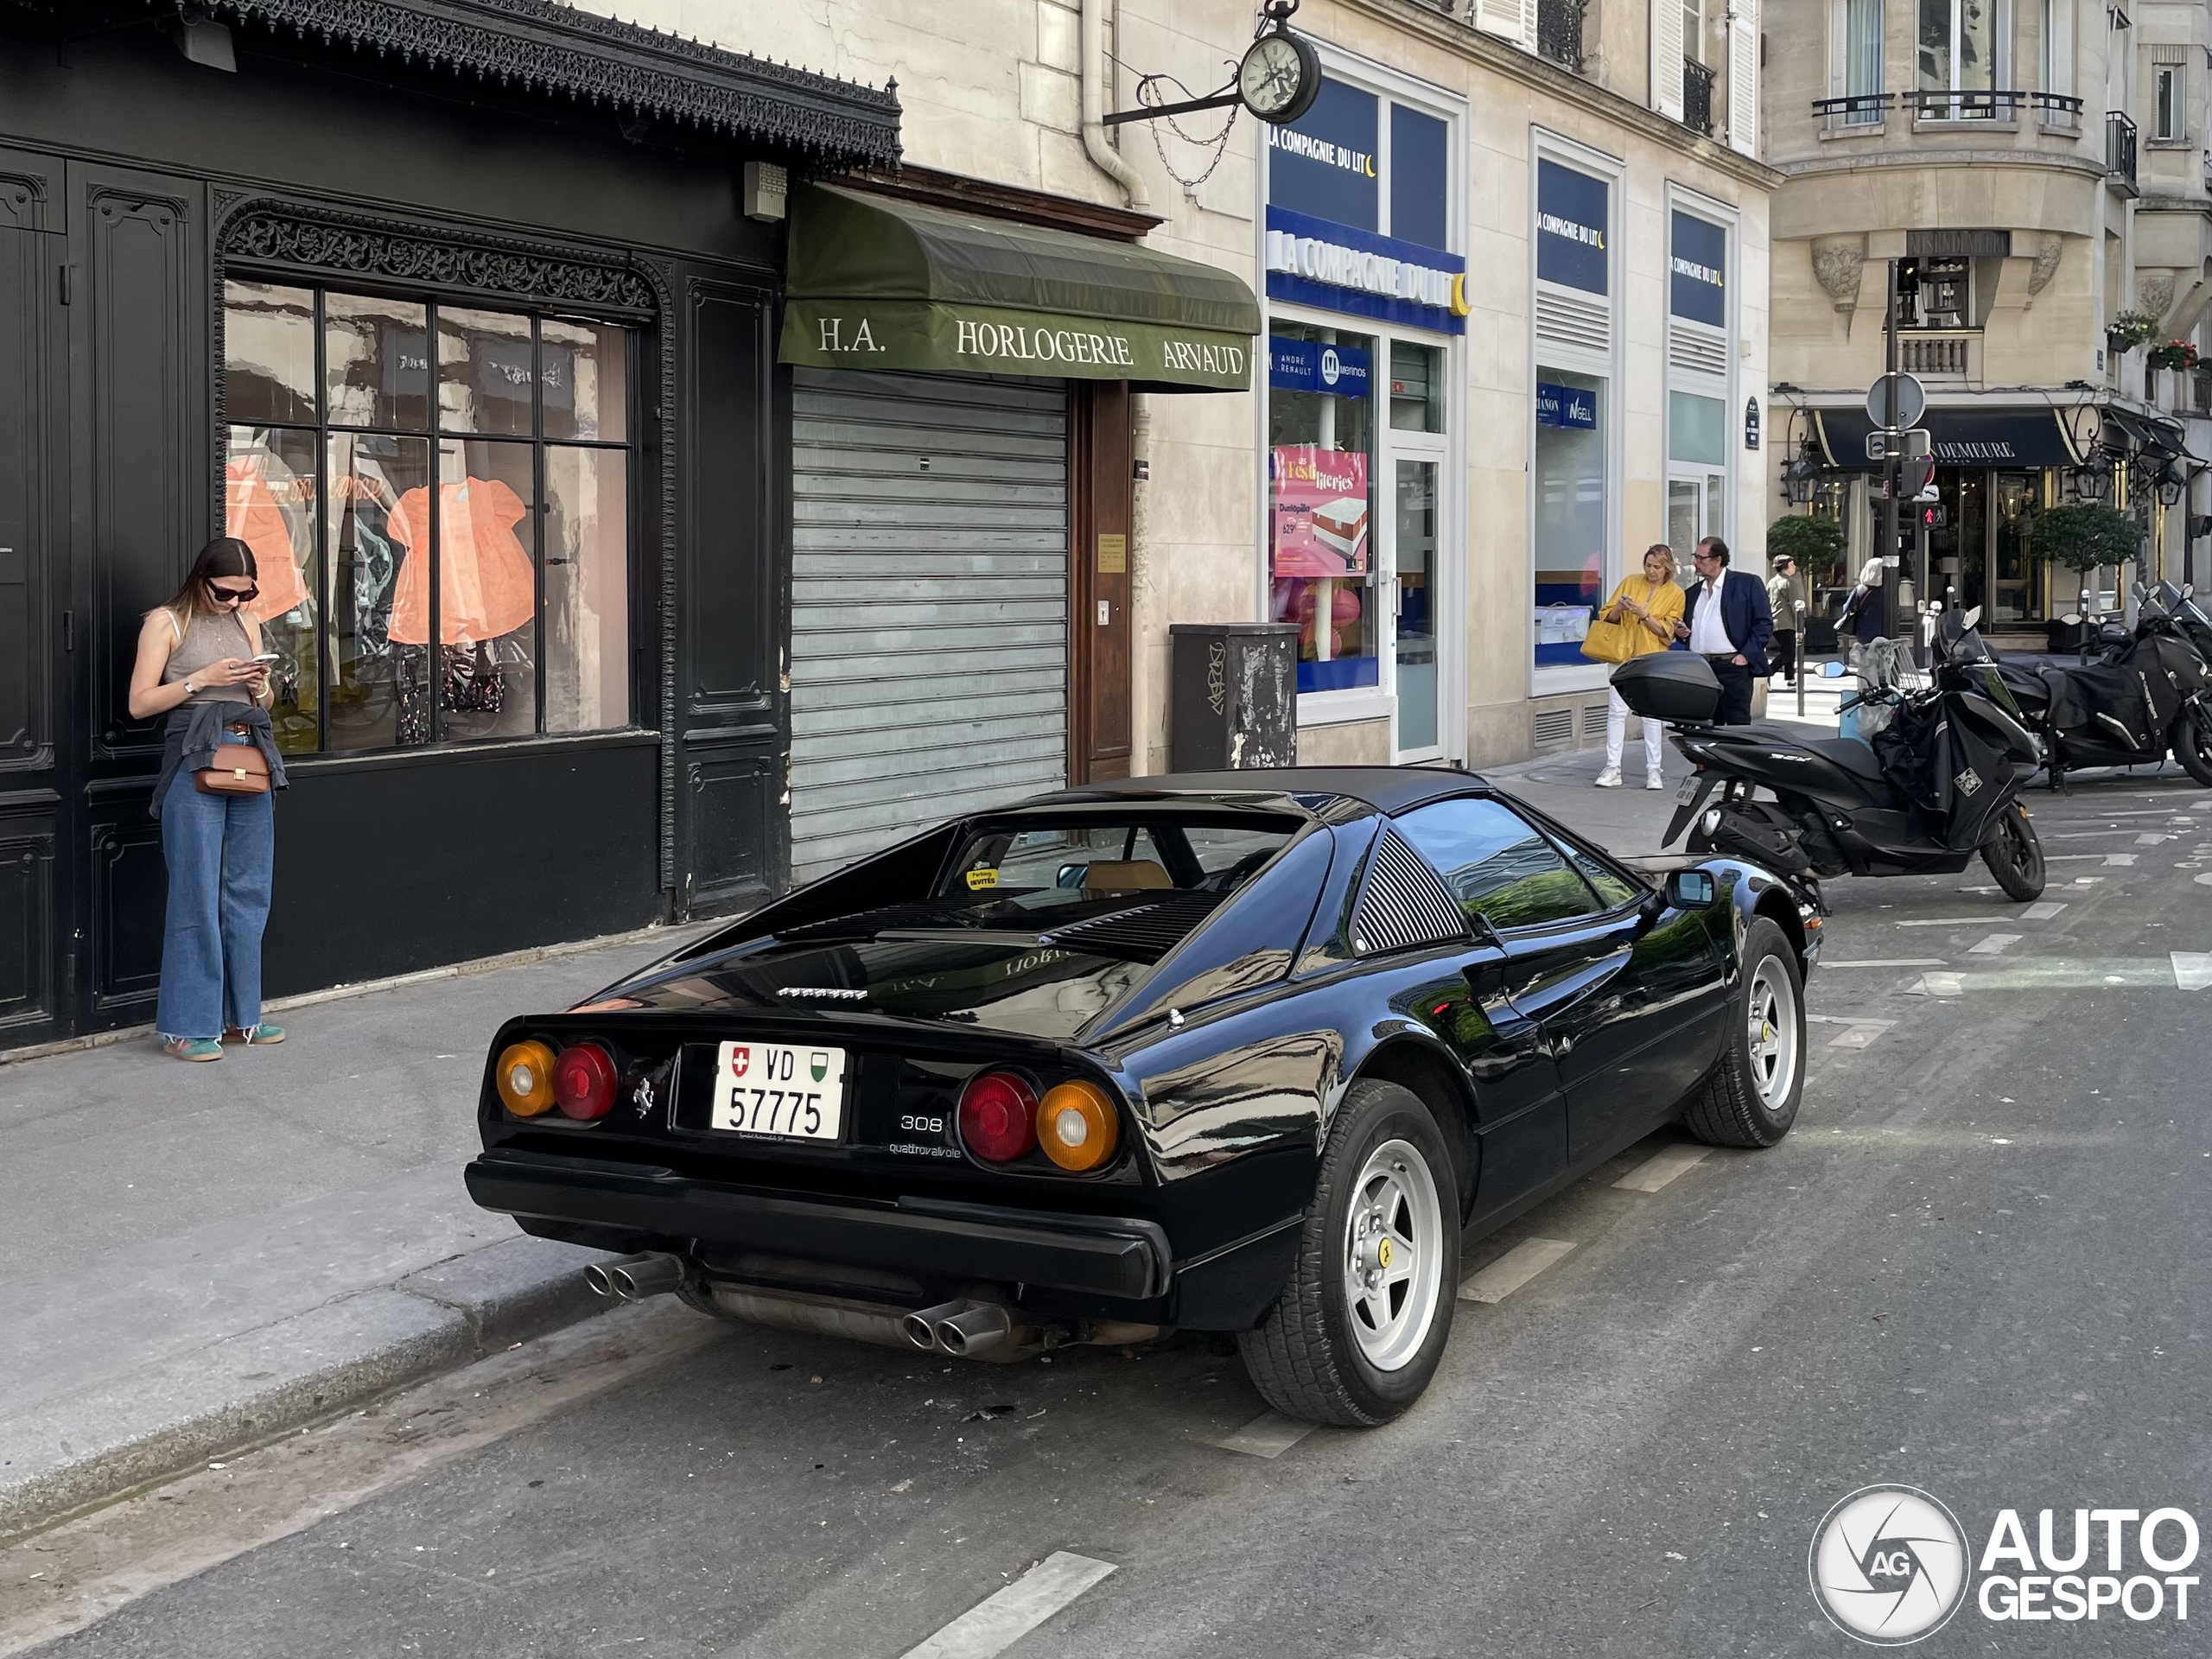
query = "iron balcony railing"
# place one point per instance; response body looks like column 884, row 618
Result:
column 2056, row 109
column 1962, row 106
column 1697, row 95
column 2119, row 149
column 1859, row 110
column 1558, row 31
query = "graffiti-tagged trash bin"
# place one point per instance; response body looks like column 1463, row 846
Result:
column 1235, row 702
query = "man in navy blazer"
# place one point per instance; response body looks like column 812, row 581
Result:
column 1728, row 622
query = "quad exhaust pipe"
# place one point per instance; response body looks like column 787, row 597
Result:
column 636, row 1278
column 964, row 1329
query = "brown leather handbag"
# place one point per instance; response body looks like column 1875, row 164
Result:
column 239, row 769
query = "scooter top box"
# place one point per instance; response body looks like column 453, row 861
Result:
column 1669, row 685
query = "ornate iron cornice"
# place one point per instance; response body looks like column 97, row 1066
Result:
column 328, row 239
column 564, row 52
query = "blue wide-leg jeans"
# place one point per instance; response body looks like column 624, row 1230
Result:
column 220, row 849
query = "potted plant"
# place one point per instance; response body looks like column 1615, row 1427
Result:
column 1815, row 544
column 2086, row 538
column 2130, row 329
column 2173, row 354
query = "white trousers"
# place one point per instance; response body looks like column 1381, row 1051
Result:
column 1617, row 729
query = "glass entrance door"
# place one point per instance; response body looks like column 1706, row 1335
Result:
column 1415, row 601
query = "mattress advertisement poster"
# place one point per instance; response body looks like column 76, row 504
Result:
column 1321, row 511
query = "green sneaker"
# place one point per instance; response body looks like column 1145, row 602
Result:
column 255, row 1036
column 193, row 1048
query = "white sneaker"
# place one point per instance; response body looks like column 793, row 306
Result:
column 1610, row 778
column 1653, row 780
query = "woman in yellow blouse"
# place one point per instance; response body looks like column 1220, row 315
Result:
column 1650, row 605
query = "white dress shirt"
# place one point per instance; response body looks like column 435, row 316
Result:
column 1708, row 634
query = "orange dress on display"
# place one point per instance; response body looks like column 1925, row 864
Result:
column 487, row 587
column 250, row 513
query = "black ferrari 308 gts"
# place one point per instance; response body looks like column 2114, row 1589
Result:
column 1250, row 1052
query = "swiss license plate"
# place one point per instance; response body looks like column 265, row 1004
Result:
column 1687, row 793
column 791, row 1093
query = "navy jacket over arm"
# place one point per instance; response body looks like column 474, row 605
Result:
column 1745, row 612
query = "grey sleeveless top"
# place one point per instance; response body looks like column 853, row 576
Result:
column 206, row 642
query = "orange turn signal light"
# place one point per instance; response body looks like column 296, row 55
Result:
column 525, row 1078
column 1076, row 1125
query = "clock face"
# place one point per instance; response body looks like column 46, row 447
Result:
column 1274, row 77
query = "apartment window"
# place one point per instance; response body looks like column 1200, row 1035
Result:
column 437, row 498
column 1958, row 54
column 2169, row 106
column 1862, row 61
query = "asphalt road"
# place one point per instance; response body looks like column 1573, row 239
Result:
column 1979, row 1266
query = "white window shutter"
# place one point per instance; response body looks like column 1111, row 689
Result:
column 1510, row 20
column 1666, row 58
column 1743, row 76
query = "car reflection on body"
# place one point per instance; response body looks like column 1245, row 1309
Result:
column 1253, row 1053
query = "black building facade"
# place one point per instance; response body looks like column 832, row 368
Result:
column 452, row 311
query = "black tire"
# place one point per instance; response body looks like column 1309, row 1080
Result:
column 2015, row 855
column 1746, row 1100
column 1305, row 1358
column 2191, row 741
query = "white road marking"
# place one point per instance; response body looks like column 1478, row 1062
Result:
column 1655, row 1171
column 1936, row 985
column 2088, row 835
column 2203, row 881
column 2086, row 880
column 2193, row 969
column 2152, row 838
column 1514, row 1269
column 1268, row 1435
column 1993, row 945
column 2121, row 859
column 1945, row 921
column 2044, row 909
column 997, row 1621
column 1886, row 962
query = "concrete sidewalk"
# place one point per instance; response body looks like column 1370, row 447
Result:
column 204, row 1255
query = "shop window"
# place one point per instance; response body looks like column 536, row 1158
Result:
column 1416, row 387
column 1321, row 447
column 1571, row 511
column 442, row 530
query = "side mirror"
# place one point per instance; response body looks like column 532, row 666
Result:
column 1691, row 889
column 1832, row 670
column 1974, row 617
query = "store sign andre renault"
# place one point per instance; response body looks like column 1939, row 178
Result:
column 1325, row 196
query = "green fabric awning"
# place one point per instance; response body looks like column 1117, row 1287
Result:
column 876, row 282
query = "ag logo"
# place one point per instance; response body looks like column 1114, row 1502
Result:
column 740, row 1061
column 1889, row 1565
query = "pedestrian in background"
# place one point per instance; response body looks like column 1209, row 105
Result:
column 198, row 663
column 1638, row 619
column 1861, row 617
column 1782, row 601
column 1729, row 624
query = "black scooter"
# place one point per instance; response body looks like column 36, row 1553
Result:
column 1940, row 784
column 2152, row 695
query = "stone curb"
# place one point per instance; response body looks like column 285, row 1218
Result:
column 92, row 1447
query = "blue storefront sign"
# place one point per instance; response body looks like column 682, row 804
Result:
column 1309, row 366
column 1697, row 282
column 1572, row 215
column 1568, row 406
column 1325, row 196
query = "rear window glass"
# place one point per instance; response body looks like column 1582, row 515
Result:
column 1039, row 865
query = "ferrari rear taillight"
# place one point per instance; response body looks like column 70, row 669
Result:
column 998, row 1113
column 1077, row 1126
column 584, row 1081
column 525, row 1078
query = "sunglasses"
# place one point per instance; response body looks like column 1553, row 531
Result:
column 233, row 595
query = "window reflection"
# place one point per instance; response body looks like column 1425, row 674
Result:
column 269, row 347
column 487, row 376
column 369, row 476
column 584, row 379
column 1495, row 864
column 269, row 503
column 376, row 361
column 586, row 589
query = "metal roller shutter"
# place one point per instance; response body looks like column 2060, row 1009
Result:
column 928, row 603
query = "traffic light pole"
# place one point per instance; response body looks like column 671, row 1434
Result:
column 1890, row 464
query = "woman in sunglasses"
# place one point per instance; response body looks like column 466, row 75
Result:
column 196, row 667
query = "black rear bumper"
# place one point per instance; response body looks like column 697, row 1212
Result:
column 1125, row 1259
